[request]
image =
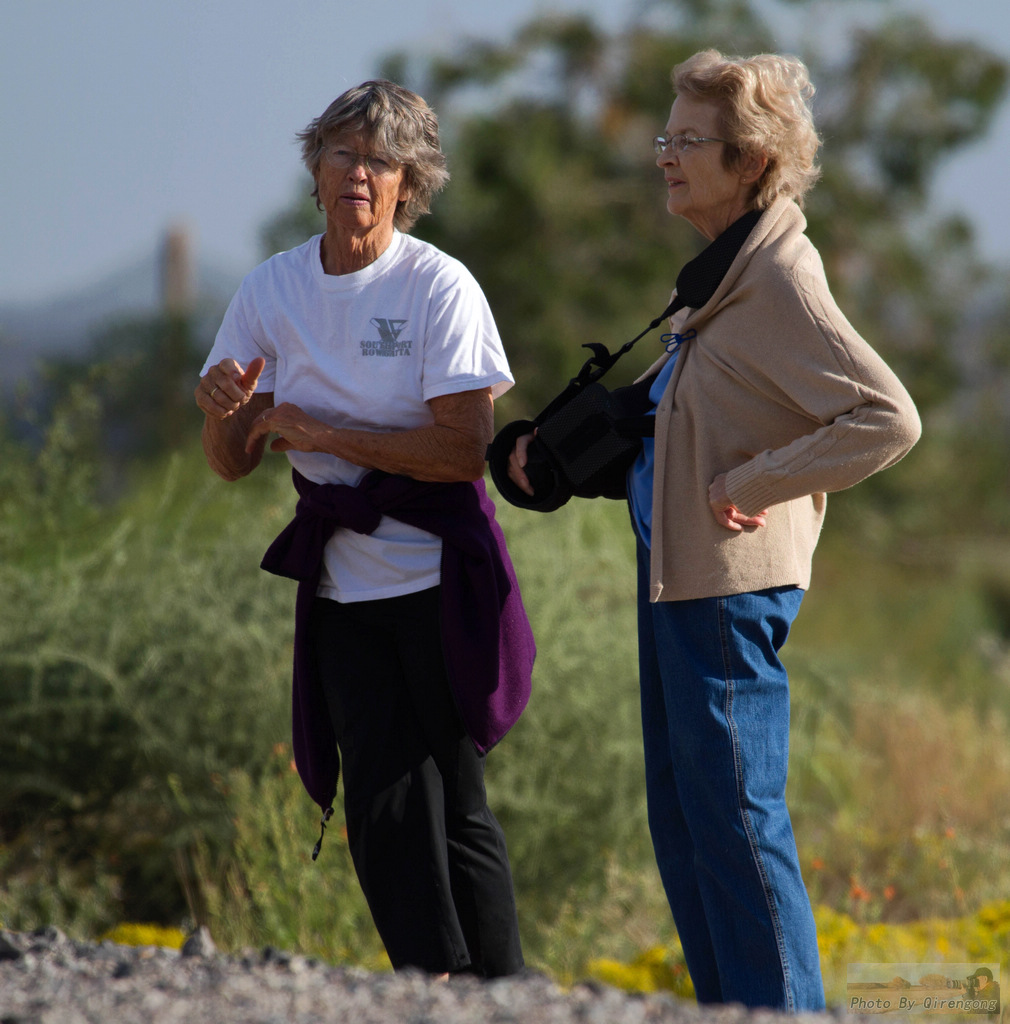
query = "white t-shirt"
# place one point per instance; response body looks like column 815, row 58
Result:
column 367, row 351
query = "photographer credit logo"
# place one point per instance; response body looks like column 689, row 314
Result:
column 923, row 988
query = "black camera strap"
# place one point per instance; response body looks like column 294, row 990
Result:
column 588, row 436
column 696, row 284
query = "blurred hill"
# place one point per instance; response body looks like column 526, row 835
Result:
column 66, row 326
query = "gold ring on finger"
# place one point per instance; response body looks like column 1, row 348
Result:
column 214, row 389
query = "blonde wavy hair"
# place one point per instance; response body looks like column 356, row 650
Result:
column 764, row 106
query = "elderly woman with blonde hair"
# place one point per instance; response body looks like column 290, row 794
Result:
column 765, row 400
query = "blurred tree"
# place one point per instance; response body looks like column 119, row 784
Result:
column 897, row 104
column 141, row 372
column 557, row 207
column 291, row 226
column 554, row 203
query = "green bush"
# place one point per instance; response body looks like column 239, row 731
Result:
column 267, row 889
column 144, row 717
column 140, row 658
column 568, row 783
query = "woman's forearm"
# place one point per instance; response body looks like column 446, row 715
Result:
column 449, row 449
column 434, row 453
column 225, row 441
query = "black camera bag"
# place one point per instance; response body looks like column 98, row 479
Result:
column 587, row 437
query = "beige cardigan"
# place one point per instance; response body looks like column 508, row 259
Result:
column 778, row 391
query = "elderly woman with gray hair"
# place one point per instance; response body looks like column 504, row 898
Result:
column 765, row 400
column 373, row 359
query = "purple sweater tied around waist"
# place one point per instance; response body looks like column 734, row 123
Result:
column 486, row 636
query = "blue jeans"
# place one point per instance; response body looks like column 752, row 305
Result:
column 715, row 718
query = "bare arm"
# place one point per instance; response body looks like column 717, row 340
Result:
column 224, row 441
column 450, row 449
column 226, row 395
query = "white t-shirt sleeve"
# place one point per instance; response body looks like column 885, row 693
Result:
column 462, row 350
column 240, row 337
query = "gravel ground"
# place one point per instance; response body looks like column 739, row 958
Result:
column 46, row 978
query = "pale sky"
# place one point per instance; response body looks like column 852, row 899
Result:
column 123, row 117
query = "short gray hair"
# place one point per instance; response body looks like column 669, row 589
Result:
column 764, row 106
column 400, row 124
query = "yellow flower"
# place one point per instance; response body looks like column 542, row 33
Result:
column 145, row 935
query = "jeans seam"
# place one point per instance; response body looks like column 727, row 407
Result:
column 741, row 803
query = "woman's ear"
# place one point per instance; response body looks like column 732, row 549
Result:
column 752, row 166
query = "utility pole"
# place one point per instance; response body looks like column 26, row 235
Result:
column 177, row 304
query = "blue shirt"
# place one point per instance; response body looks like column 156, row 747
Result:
column 640, row 474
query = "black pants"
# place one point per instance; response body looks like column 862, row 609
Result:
column 428, row 852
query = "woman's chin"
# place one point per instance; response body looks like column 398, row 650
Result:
column 675, row 203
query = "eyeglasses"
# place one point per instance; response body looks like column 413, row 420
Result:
column 678, row 143
column 343, row 157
